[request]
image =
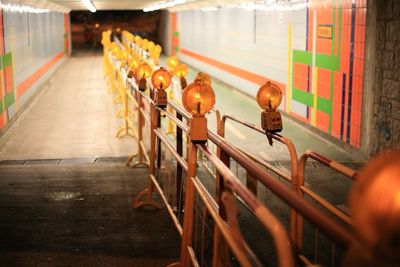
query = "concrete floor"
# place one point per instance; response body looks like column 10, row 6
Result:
column 73, row 117
column 80, row 215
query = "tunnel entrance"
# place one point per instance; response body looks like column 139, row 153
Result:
column 86, row 27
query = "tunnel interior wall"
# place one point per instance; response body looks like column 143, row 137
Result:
column 314, row 52
column 384, row 77
column 32, row 46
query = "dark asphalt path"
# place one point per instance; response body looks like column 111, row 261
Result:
column 80, row 215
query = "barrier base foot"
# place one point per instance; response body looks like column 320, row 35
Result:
column 123, row 131
column 148, row 202
column 138, row 164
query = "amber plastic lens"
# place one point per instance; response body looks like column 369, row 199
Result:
column 198, row 98
column 181, row 70
column 144, row 70
column 138, row 40
column 134, row 63
column 150, row 46
column 158, row 49
column 161, row 79
column 172, row 62
column 269, row 96
column 375, row 203
column 154, row 54
column 145, row 43
column 116, row 51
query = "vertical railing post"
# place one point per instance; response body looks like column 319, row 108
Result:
column 221, row 250
column 179, row 170
column 154, row 124
column 140, row 127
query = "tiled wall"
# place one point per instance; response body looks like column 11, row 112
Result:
column 315, row 54
column 31, row 48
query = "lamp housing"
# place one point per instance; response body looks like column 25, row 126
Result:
column 198, row 98
column 269, row 97
column 161, row 80
column 143, row 71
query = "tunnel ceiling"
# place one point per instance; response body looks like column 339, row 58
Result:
column 106, row 4
column 138, row 4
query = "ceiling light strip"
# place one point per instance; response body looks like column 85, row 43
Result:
column 89, row 5
column 22, row 9
column 163, row 5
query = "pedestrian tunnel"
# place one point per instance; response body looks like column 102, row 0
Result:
column 196, row 134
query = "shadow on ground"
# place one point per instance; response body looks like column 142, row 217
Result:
column 80, row 215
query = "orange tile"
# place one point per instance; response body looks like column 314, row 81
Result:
column 322, row 121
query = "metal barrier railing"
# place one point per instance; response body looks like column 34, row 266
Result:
column 237, row 247
column 307, row 192
column 221, row 207
column 338, row 233
column 252, row 182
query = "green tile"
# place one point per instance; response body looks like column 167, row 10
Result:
column 303, row 97
column 176, row 48
column 9, row 100
column 1, row 106
column 7, row 60
column 176, row 34
column 321, row 60
column 324, row 105
column 303, row 57
column 327, row 62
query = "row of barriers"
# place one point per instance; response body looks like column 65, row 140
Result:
column 253, row 215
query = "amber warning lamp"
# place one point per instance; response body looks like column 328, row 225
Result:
column 133, row 64
column 161, row 79
column 143, row 71
column 181, row 70
column 172, row 62
column 198, row 98
column 269, row 97
column 375, row 209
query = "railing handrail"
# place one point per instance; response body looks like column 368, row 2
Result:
column 277, row 137
column 323, row 222
column 269, row 221
column 302, row 188
column 316, row 217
